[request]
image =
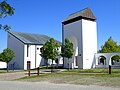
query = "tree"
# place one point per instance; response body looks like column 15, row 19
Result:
column 7, row 55
column 50, row 50
column 67, row 51
column 44, row 52
column 116, row 57
column 5, row 10
column 109, row 47
column 0, row 57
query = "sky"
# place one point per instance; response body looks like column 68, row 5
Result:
column 45, row 17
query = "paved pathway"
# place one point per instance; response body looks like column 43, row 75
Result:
column 15, row 85
column 12, row 76
column 17, row 75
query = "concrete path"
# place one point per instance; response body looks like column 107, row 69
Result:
column 15, row 85
column 12, row 76
column 17, row 75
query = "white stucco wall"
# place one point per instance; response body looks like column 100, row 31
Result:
column 89, row 39
column 107, row 56
column 18, row 48
column 39, row 60
column 3, row 64
column 60, row 59
column 85, row 33
column 33, row 56
column 74, row 30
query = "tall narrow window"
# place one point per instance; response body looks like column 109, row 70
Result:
column 27, row 50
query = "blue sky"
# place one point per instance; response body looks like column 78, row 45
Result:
column 45, row 17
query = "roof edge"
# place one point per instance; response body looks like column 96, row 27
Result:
column 16, row 37
column 77, row 19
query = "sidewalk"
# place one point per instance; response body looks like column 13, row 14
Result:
column 12, row 76
column 17, row 75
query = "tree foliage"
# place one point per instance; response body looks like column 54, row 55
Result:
column 5, row 10
column 116, row 57
column 109, row 47
column 7, row 55
column 67, row 50
column 50, row 50
column 44, row 52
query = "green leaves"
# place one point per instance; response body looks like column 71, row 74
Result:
column 50, row 49
column 5, row 27
column 110, row 46
column 5, row 10
column 116, row 57
column 67, row 49
column 7, row 55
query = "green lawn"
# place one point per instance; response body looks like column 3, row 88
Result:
column 101, row 70
column 10, row 71
column 80, row 77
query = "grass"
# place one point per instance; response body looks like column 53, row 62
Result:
column 10, row 71
column 102, row 70
column 80, row 77
column 45, row 67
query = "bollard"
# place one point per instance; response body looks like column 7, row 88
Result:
column 38, row 70
column 28, row 72
column 109, row 69
column 28, row 67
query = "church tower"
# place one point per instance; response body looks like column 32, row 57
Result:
column 80, row 28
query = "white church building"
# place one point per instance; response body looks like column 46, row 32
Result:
column 26, row 47
column 80, row 28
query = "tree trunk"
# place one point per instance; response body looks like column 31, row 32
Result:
column 63, row 62
column 47, row 63
column 7, row 67
column 52, row 66
column 68, row 64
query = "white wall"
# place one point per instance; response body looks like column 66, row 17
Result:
column 33, row 56
column 89, row 38
column 74, row 30
column 86, row 35
column 39, row 60
column 107, row 56
column 18, row 48
column 3, row 64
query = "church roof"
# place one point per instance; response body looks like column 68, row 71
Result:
column 28, row 38
column 83, row 14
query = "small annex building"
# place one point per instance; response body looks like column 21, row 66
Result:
column 26, row 47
